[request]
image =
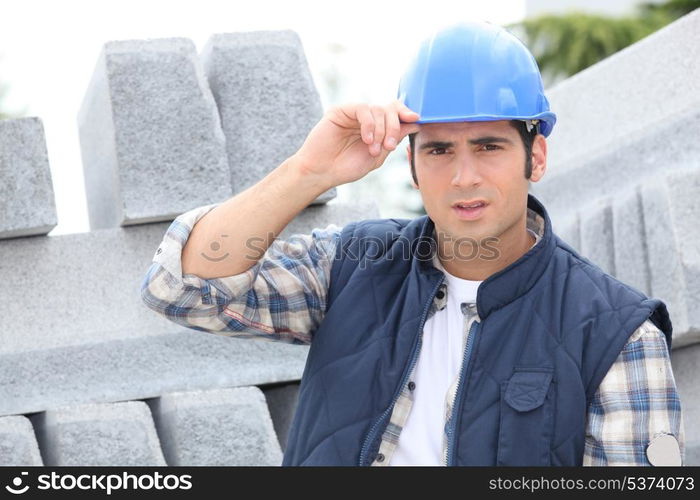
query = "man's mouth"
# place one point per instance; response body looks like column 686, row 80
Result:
column 469, row 210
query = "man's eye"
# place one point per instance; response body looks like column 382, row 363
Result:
column 493, row 146
column 437, row 151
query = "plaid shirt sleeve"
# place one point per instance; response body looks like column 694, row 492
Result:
column 636, row 402
column 281, row 298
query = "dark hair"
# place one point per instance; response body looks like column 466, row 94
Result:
column 527, row 137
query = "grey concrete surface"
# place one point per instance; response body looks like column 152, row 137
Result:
column 223, row 427
column 150, row 137
column 18, row 444
column 118, row 434
column 92, row 339
column 266, row 97
column 27, row 205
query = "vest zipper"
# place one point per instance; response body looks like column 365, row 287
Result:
column 414, row 356
column 473, row 328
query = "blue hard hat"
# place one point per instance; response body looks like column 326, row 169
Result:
column 475, row 71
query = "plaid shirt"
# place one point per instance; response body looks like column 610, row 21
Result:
column 283, row 298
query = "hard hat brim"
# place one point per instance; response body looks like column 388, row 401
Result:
column 547, row 120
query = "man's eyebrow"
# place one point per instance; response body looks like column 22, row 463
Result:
column 490, row 139
column 436, row 144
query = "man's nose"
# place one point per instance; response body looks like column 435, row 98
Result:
column 466, row 172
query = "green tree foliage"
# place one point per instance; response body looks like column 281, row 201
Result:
column 566, row 44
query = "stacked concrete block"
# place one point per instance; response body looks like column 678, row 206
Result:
column 18, row 444
column 150, row 137
column 153, row 147
column 92, row 339
column 665, row 261
column 266, row 98
column 624, row 151
column 217, row 427
column 569, row 230
column 646, row 237
column 597, row 235
column 27, row 205
column 623, row 135
column 121, row 434
column 607, row 172
column 630, row 250
column 684, row 196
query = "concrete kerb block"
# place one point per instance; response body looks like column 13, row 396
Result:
column 569, row 230
column 216, row 427
column 150, row 136
column 597, row 234
column 266, row 98
column 78, row 278
column 667, row 279
column 630, row 252
column 80, row 348
column 18, row 445
column 27, row 205
column 654, row 247
column 684, row 198
column 142, row 367
column 121, row 434
column 629, row 160
column 282, row 402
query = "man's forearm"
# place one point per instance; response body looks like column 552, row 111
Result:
column 230, row 238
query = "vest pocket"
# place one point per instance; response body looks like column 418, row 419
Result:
column 527, row 412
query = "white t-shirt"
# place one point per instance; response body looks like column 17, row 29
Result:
column 438, row 365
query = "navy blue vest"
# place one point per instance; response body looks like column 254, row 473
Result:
column 552, row 324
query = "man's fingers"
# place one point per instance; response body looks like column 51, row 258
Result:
column 407, row 115
column 408, row 128
column 378, row 114
column 393, row 129
column 364, row 116
column 381, row 127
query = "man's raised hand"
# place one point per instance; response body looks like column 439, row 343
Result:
column 353, row 139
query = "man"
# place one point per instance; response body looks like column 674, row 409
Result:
column 469, row 336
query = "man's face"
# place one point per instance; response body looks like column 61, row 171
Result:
column 467, row 161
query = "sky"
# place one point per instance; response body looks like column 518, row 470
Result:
column 49, row 49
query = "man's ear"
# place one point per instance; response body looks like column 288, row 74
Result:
column 539, row 157
column 411, row 167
